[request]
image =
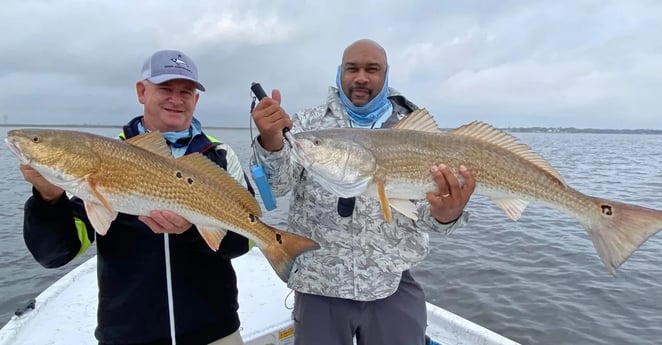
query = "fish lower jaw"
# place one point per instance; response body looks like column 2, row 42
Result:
column 23, row 158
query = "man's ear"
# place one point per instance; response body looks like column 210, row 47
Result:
column 140, row 91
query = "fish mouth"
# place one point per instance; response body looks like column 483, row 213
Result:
column 289, row 138
column 300, row 155
column 22, row 157
column 298, row 151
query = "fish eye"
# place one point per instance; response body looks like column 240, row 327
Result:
column 35, row 139
column 317, row 142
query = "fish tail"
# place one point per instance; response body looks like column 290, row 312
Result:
column 284, row 249
column 618, row 229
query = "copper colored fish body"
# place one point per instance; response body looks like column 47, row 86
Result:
column 140, row 175
column 392, row 165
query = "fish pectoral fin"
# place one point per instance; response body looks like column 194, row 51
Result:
column 98, row 195
column 100, row 217
column 153, row 142
column 383, row 201
column 405, row 207
column 212, row 236
column 512, row 207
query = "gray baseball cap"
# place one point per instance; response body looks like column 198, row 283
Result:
column 165, row 65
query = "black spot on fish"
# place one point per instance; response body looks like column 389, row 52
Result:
column 179, row 174
column 279, row 238
column 189, row 180
column 607, row 210
column 252, row 218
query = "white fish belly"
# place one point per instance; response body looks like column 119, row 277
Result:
column 404, row 189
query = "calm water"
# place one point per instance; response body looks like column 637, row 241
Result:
column 537, row 281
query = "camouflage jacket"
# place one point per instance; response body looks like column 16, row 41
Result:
column 362, row 257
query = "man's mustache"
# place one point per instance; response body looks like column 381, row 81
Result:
column 360, row 88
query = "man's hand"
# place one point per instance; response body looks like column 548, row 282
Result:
column 162, row 222
column 48, row 191
column 447, row 204
column 271, row 119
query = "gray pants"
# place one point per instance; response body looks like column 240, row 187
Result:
column 399, row 319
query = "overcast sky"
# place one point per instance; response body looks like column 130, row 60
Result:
column 510, row 63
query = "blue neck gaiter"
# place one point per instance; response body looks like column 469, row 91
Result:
column 366, row 115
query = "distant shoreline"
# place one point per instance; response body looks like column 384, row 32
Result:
column 550, row 130
column 45, row 125
column 581, row 130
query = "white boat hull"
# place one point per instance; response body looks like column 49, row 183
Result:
column 65, row 313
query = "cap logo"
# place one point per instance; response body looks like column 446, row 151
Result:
column 179, row 63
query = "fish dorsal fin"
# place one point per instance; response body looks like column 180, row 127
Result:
column 484, row 132
column 153, row 142
column 205, row 167
column 418, row 120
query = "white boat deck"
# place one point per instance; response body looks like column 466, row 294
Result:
column 65, row 313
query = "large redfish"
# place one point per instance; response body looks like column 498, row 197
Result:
column 392, row 165
column 140, row 175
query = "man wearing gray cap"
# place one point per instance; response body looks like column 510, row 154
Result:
column 138, row 285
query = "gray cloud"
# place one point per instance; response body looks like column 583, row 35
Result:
column 551, row 63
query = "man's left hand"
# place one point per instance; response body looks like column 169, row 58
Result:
column 447, row 204
column 162, row 222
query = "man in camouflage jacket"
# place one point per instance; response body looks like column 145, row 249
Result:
column 358, row 283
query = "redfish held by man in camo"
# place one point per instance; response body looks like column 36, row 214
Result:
column 392, row 165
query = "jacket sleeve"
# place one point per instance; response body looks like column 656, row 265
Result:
column 55, row 233
column 427, row 222
column 280, row 169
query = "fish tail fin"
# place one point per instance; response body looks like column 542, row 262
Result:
column 618, row 229
column 282, row 252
